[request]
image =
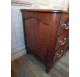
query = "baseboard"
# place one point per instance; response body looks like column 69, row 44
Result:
column 17, row 52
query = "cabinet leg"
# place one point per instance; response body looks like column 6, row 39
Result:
column 27, row 50
column 47, row 70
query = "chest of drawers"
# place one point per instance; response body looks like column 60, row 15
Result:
column 46, row 34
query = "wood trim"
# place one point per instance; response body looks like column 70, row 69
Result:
column 44, row 11
column 17, row 52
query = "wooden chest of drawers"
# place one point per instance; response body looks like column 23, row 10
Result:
column 46, row 34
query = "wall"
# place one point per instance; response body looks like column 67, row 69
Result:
column 17, row 36
column 48, row 4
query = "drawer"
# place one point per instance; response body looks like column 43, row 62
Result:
column 60, row 52
column 61, row 40
column 64, row 24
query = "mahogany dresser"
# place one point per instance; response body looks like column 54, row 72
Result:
column 46, row 34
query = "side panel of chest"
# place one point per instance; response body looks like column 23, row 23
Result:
column 40, row 33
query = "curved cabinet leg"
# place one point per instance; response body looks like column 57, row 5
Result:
column 48, row 67
column 27, row 50
column 47, row 70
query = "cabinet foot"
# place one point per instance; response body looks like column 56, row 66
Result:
column 47, row 70
column 27, row 52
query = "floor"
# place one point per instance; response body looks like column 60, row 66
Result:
column 28, row 66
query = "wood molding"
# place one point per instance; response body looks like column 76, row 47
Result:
column 17, row 52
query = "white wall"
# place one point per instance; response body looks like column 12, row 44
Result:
column 53, row 4
column 48, row 4
column 17, row 36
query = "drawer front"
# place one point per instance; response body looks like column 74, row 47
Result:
column 64, row 24
column 60, row 52
column 61, row 40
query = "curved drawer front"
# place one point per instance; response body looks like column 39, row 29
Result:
column 64, row 24
column 60, row 52
column 61, row 40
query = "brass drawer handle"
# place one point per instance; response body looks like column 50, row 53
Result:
column 62, row 42
column 65, row 26
column 59, row 55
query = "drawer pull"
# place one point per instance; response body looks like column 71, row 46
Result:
column 62, row 42
column 65, row 26
column 59, row 55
